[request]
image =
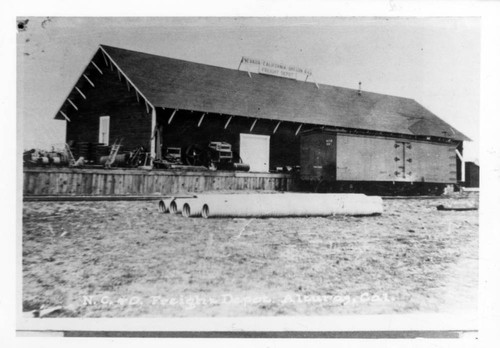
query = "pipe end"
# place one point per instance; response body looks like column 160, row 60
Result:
column 162, row 208
column 186, row 210
column 173, row 208
column 205, row 211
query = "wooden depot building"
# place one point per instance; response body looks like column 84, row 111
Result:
column 271, row 118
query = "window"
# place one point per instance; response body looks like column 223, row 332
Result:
column 104, row 130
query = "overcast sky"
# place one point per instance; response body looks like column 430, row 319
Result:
column 435, row 61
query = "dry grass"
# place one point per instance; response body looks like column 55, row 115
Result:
column 411, row 258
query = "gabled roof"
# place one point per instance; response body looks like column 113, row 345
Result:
column 178, row 84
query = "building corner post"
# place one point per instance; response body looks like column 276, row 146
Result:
column 459, row 152
column 153, row 133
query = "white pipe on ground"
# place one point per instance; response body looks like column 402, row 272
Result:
column 192, row 208
column 272, row 205
column 289, row 204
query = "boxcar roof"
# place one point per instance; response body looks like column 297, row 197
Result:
column 178, row 84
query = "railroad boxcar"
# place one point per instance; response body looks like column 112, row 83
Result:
column 336, row 161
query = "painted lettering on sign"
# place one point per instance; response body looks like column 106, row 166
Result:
column 276, row 69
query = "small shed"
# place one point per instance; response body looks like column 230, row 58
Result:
column 471, row 174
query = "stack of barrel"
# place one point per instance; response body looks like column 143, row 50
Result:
column 81, row 149
column 97, row 151
column 91, row 152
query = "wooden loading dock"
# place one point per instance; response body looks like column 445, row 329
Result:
column 134, row 182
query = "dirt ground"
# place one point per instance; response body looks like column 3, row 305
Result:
column 125, row 259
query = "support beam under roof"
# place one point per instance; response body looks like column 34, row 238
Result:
column 88, row 80
column 298, row 129
column 105, row 59
column 73, row 104
column 228, row 120
column 64, row 115
column 253, row 124
column 276, row 128
column 201, row 120
column 81, row 93
column 171, row 116
column 95, row 65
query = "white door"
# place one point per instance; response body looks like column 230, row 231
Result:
column 254, row 150
column 104, row 130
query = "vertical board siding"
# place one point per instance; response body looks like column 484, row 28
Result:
column 378, row 159
column 100, row 182
column 129, row 119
